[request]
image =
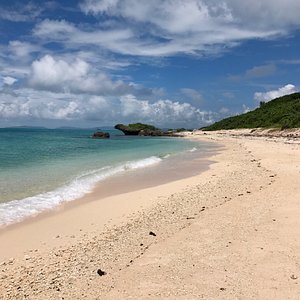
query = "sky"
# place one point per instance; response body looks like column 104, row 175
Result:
column 171, row 63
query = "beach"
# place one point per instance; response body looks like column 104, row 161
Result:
column 229, row 232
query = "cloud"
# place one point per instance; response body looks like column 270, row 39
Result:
column 55, row 29
column 255, row 72
column 76, row 77
column 169, row 27
column 28, row 104
column 224, row 110
column 245, row 108
column 16, row 57
column 180, row 15
column 194, row 95
column 116, row 39
column 260, row 71
column 22, row 49
column 9, row 80
column 20, row 12
column 285, row 90
column 195, row 26
column 164, row 112
column 229, row 95
column 289, row 61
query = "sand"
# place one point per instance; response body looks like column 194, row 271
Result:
column 231, row 232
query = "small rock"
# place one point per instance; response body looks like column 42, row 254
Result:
column 100, row 272
column 152, row 233
column 100, row 135
column 222, row 289
column 294, row 277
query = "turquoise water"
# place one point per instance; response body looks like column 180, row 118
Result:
column 41, row 168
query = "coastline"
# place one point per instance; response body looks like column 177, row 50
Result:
column 37, row 194
column 107, row 204
column 225, row 233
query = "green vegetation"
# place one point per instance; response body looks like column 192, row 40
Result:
column 182, row 129
column 283, row 113
column 141, row 126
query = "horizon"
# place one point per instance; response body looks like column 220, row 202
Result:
column 170, row 63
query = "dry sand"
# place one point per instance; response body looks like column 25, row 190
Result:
column 231, row 232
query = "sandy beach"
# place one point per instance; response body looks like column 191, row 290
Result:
column 229, row 232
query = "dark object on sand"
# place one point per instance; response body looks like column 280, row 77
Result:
column 152, row 233
column 100, row 135
column 100, row 272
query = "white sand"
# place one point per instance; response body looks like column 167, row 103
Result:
column 231, row 232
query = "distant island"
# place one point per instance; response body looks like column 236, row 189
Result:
column 282, row 113
column 25, row 127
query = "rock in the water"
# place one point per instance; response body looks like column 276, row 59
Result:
column 143, row 130
column 127, row 130
column 101, row 135
column 148, row 132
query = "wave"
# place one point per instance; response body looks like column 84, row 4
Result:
column 193, row 149
column 17, row 210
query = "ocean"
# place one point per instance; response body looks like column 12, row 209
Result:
column 42, row 168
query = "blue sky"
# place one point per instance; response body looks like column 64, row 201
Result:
column 171, row 63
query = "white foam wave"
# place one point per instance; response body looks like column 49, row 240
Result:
column 193, row 149
column 17, row 210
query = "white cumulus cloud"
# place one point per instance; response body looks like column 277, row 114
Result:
column 28, row 104
column 77, row 76
column 270, row 95
column 162, row 111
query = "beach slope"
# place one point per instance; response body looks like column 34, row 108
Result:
column 228, row 233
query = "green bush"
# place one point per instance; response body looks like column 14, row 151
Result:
column 283, row 112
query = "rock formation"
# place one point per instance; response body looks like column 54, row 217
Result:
column 143, row 130
column 127, row 130
column 101, row 135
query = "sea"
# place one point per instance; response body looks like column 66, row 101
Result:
column 42, row 168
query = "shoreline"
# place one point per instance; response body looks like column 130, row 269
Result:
column 216, row 234
column 111, row 185
column 106, row 197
